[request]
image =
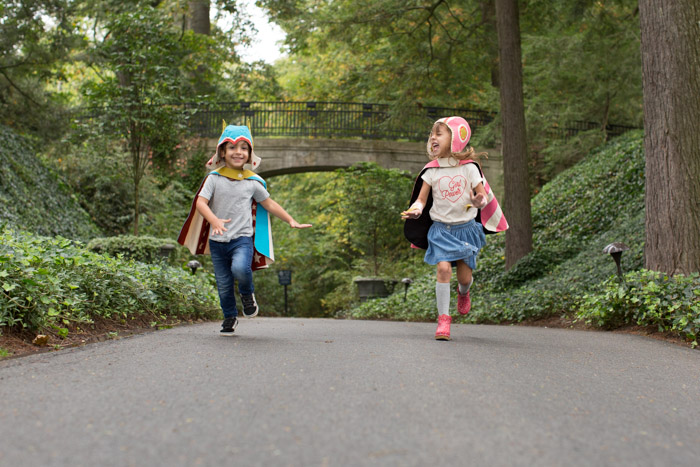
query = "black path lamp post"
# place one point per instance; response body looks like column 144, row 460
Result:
column 615, row 250
column 194, row 265
column 285, row 278
column 406, row 281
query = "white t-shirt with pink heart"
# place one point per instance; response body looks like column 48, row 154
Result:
column 451, row 186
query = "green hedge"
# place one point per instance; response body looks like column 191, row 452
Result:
column 142, row 248
column 646, row 298
column 53, row 282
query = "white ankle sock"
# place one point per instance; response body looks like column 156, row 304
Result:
column 442, row 295
column 463, row 289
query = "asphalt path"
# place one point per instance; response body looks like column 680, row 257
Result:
column 305, row 392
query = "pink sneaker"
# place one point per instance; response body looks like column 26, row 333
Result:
column 464, row 302
column 443, row 328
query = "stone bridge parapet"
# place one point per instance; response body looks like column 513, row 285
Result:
column 282, row 156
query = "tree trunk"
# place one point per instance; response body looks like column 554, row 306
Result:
column 136, row 209
column 515, row 171
column 198, row 17
column 488, row 18
column 671, row 80
column 136, row 164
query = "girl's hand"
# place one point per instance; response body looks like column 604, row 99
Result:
column 478, row 200
column 414, row 212
column 217, row 228
column 295, row 225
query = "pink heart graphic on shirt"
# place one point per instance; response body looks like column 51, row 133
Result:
column 452, row 188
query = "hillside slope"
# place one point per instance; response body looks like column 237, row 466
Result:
column 33, row 197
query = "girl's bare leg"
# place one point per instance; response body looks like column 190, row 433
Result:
column 464, row 277
column 464, row 273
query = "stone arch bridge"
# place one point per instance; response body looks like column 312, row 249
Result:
column 296, row 155
column 296, row 137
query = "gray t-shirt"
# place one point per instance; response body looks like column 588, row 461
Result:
column 233, row 199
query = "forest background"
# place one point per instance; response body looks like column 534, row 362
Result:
column 92, row 92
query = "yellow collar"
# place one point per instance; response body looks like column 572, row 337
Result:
column 234, row 174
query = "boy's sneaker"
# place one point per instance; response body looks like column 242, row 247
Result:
column 250, row 306
column 464, row 302
column 229, row 326
column 443, row 328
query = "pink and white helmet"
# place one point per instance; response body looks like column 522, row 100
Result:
column 460, row 132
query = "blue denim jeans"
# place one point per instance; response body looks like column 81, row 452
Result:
column 232, row 261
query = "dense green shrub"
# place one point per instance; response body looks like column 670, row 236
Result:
column 646, row 298
column 32, row 195
column 142, row 248
column 54, row 282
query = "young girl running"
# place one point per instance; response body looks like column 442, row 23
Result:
column 452, row 207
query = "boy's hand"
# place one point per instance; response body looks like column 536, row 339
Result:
column 217, row 228
column 478, row 200
column 295, row 225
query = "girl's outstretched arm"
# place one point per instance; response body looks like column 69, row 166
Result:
column 416, row 209
column 278, row 211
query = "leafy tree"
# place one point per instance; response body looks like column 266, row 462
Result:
column 371, row 200
column 139, row 82
column 35, row 36
column 670, row 45
column 196, row 17
column 580, row 62
column 387, row 50
column 256, row 81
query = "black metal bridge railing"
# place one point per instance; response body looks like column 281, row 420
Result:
column 572, row 128
column 339, row 120
column 325, row 119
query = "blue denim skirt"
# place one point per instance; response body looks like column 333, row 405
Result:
column 455, row 242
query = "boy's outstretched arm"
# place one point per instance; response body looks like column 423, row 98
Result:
column 217, row 225
column 278, row 211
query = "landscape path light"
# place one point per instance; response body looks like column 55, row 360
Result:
column 194, row 265
column 406, row 281
column 615, row 250
column 285, row 278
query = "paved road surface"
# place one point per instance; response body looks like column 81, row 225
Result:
column 339, row 393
